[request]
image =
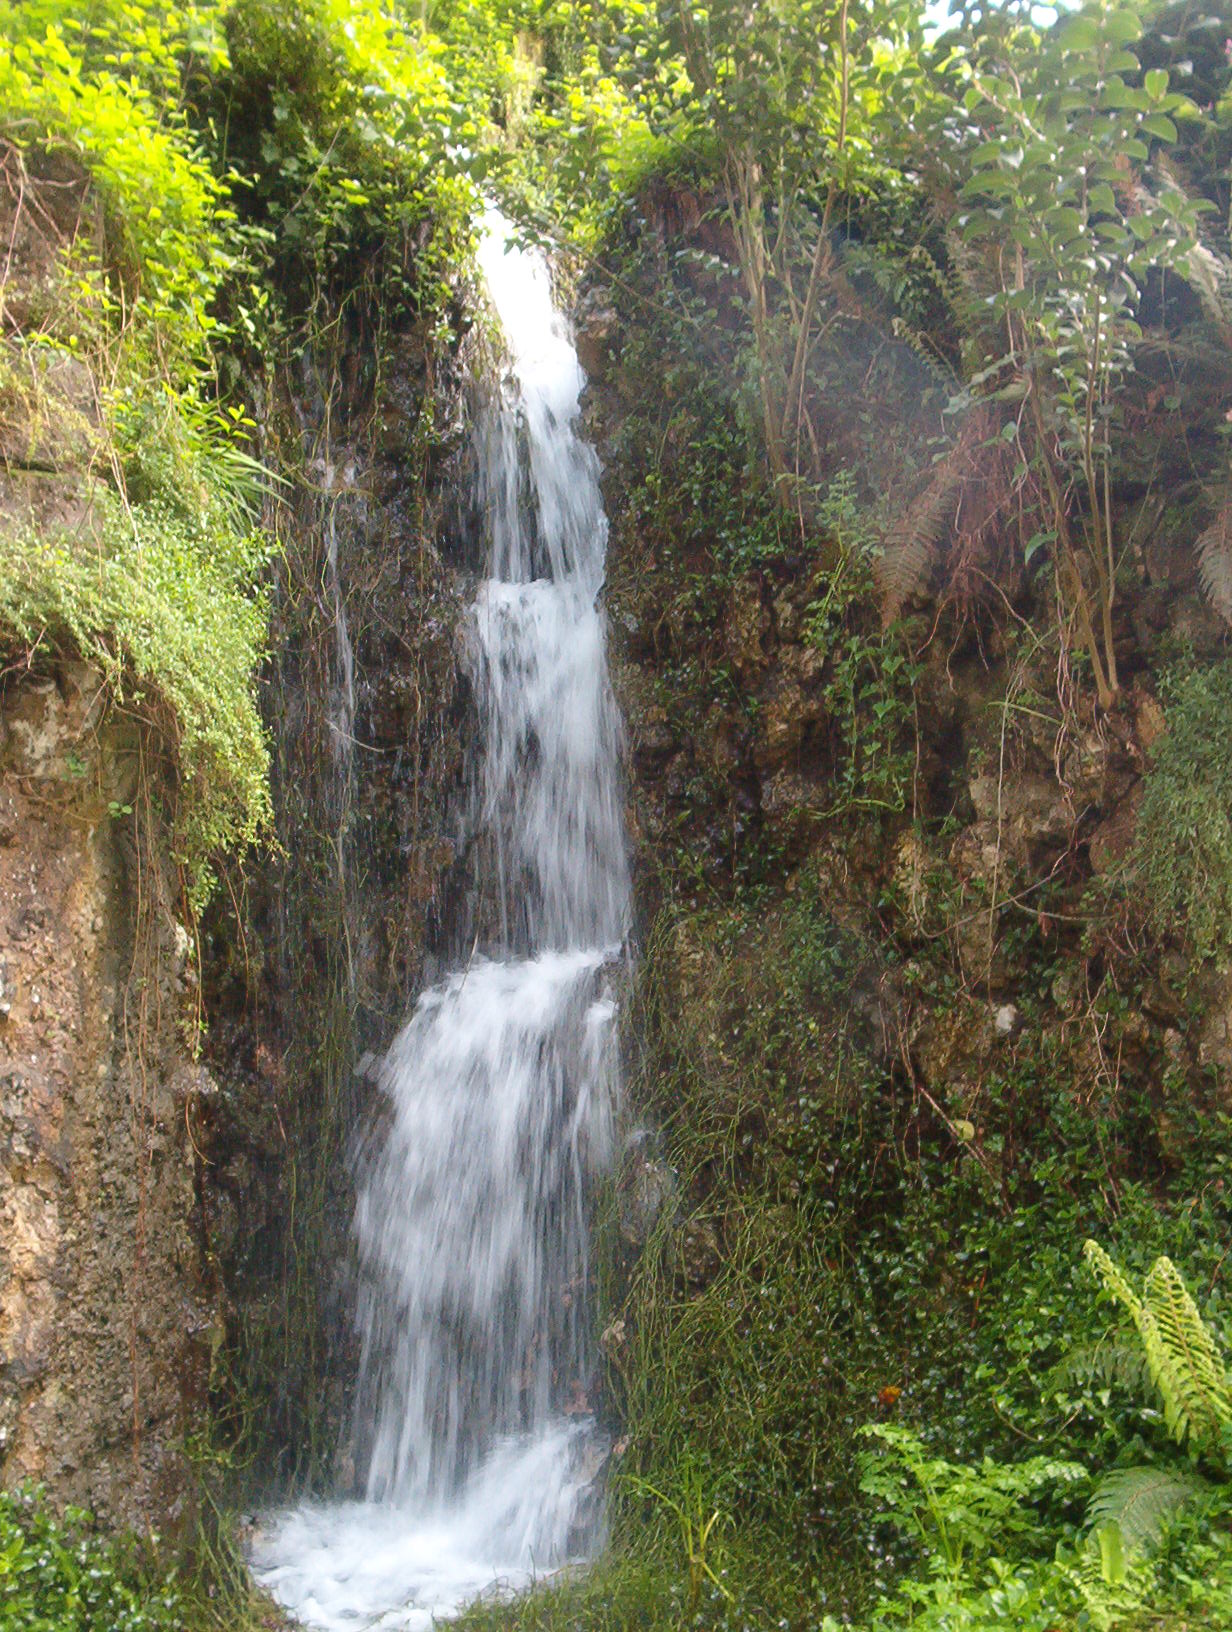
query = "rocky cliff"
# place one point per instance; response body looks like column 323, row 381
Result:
column 106, row 1317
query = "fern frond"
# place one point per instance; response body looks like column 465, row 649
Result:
column 972, row 278
column 911, row 544
column 1184, row 1362
column 1187, row 1367
column 1116, row 1361
column 1214, row 549
column 1113, row 1589
column 1142, row 1502
column 1113, row 1278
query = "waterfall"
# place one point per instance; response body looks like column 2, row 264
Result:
column 471, row 1215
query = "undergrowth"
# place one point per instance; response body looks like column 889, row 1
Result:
column 860, row 1369
column 134, row 535
column 1184, row 834
column 208, row 192
column 60, row 1575
column 176, row 632
column 61, row 1572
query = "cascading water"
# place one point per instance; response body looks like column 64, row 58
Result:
column 471, row 1214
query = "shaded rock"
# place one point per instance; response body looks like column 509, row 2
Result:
column 1168, row 556
column 911, row 865
column 1006, row 1020
column 1028, row 807
column 1087, row 767
column 1150, row 722
column 746, row 623
column 596, row 333
column 701, row 1257
column 789, row 615
column 976, row 855
column 102, row 1292
column 1213, row 1034
column 792, row 804
column 654, row 740
column 789, row 707
column 942, row 1046
column 647, row 1189
column 1066, row 988
column 1193, row 620
column 723, row 739
column 1112, row 841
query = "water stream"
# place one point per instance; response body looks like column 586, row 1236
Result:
column 470, row 1223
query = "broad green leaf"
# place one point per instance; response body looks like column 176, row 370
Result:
column 1122, row 27
column 1111, row 1554
column 1080, row 33
column 1158, row 124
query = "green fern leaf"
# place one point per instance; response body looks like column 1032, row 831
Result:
column 1185, row 1364
column 1142, row 1502
column 1111, row 1546
column 1214, row 549
column 913, row 541
column 1116, row 1361
column 1113, row 1278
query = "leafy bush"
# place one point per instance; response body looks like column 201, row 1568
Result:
column 171, row 620
column 167, row 213
column 871, row 676
column 352, row 146
column 111, row 382
column 59, row 1575
column 959, row 1514
column 1153, row 1540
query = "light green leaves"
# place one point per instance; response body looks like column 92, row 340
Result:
column 961, row 1514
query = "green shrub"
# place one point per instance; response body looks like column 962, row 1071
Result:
column 352, row 145
column 112, row 385
column 59, row 1575
column 1152, row 1548
column 168, row 220
column 165, row 603
column 871, row 676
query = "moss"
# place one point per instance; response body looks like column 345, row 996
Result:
column 1184, row 835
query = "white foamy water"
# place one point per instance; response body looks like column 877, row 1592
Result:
column 479, row 1457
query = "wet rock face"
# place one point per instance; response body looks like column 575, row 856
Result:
column 103, row 1324
column 367, row 711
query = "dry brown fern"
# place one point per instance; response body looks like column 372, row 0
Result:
column 912, row 542
column 1214, row 549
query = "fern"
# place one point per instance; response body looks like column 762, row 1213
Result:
column 1185, row 1365
column 1214, row 549
column 1116, row 1361
column 1141, row 1502
column 1111, row 1588
column 911, row 544
column 1113, row 1278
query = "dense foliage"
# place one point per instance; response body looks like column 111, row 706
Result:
column 60, row 1575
